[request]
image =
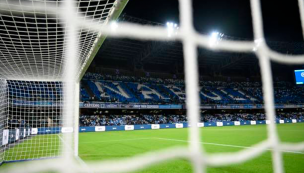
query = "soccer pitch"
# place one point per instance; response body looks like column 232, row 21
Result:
column 123, row 144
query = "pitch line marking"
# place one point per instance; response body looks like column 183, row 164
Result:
column 178, row 140
column 82, row 163
column 225, row 145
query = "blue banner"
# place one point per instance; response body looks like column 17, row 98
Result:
column 115, row 128
column 261, row 122
column 165, row 126
column 100, row 105
column 49, row 130
column 36, row 103
column 86, row 129
column 208, row 124
column 126, row 106
column 245, row 123
column 228, row 123
column 19, row 134
column 142, row 127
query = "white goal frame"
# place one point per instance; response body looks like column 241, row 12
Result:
column 190, row 39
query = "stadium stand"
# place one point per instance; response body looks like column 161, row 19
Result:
column 103, row 120
column 147, row 90
column 131, row 90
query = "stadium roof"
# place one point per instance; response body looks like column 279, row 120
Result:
column 123, row 53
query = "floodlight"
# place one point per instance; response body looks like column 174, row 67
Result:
column 171, row 28
column 213, row 38
column 114, row 25
column 214, row 34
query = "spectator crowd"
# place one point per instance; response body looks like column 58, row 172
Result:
column 109, row 120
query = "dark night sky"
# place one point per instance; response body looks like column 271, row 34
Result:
column 231, row 17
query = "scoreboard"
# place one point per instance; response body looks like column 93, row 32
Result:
column 299, row 75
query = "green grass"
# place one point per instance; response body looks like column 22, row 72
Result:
column 123, row 144
column 36, row 147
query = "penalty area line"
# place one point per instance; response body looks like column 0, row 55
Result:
column 78, row 159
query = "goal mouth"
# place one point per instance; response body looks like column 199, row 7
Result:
column 26, row 57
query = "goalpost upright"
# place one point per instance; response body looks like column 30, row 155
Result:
column 119, row 7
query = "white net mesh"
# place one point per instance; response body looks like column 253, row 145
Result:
column 190, row 39
column 3, row 115
column 33, row 105
column 34, row 37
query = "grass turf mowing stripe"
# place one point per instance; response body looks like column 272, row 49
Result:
column 113, row 145
column 124, row 144
column 177, row 140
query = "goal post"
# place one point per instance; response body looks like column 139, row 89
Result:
column 76, row 119
column 116, row 13
column 43, row 56
column 3, row 119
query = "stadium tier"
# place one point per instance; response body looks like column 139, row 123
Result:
column 146, row 90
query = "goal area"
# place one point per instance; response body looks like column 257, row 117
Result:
column 46, row 47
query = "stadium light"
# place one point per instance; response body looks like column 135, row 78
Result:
column 215, row 36
column 171, row 28
column 114, row 25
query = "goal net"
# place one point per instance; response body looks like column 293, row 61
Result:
column 43, row 54
column 33, row 105
column 56, row 40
